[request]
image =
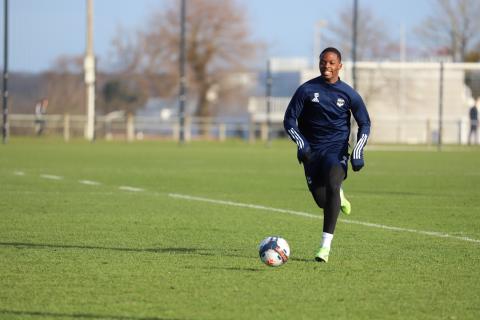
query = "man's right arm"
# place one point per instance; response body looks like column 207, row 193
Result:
column 294, row 110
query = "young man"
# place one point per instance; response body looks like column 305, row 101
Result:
column 318, row 121
column 473, row 116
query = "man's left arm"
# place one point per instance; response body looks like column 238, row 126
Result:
column 360, row 114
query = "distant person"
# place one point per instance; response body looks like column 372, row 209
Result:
column 473, row 115
column 318, row 121
column 40, row 111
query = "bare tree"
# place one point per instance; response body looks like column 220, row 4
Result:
column 218, row 41
column 124, row 87
column 126, row 51
column 453, row 27
column 65, row 87
column 373, row 41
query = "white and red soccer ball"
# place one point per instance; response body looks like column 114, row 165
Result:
column 274, row 251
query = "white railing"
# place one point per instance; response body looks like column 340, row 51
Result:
column 132, row 128
column 408, row 130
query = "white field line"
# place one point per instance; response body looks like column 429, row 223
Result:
column 309, row 215
column 271, row 209
column 244, row 205
column 51, row 177
column 133, row 189
column 89, row 182
column 19, row 173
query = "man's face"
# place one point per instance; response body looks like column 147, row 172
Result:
column 330, row 67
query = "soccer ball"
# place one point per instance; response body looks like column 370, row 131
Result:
column 274, row 251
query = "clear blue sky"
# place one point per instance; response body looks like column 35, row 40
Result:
column 42, row 30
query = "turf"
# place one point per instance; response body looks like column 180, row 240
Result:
column 74, row 250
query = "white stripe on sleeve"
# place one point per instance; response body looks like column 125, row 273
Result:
column 357, row 151
column 295, row 136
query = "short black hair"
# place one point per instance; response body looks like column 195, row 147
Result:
column 331, row 49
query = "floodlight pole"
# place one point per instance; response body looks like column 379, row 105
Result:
column 354, row 43
column 5, row 74
column 183, row 89
column 89, row 67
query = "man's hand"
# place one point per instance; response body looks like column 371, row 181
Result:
column 357, row 164
column 304, row 155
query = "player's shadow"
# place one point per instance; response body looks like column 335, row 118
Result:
column 302, row 260
column 180, row 250
column 194, row 251
column 169, row 250
column 45, row 314
column 228, row 269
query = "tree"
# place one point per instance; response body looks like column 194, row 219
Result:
column 122, row 94
column 453, row 25
column 473, row 56
column 124, row 87
column 218, row 42
column 65, row 87
column 373, row 41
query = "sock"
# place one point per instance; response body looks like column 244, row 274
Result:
column 327, row 240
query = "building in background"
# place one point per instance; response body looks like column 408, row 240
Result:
column 402, row 98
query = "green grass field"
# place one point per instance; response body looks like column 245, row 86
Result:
column 95, row 231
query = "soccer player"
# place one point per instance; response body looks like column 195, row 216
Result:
column 318, row 121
